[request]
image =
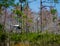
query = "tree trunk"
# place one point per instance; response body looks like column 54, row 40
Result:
column 5, row 19
column 21, row 18
column 41, row 14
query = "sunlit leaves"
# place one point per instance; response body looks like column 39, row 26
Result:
column 33, row 38
column 17, row 19
column 20, row 20
column 53, row 11
column 24, row 16
column 29, row 20
column 15, row 37
column 54, row 17
column 17, row 12
column 48, row 38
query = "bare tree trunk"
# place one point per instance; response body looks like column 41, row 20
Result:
column 27, row 18
column 5, row 19
column 21, row 18
column 41, row 14
column 26, row 23
column 37, row 24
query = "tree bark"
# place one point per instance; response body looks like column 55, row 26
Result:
column 5, row 19
column 41, row 14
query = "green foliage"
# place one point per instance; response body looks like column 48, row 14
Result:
column 6, row 3
column 18, row 12
column 15, row 37
column 17, row 4
column 1, row 27
column 20, row 20
column 38, row 39
column 54, row 17
column 29, row 20
column 59, row 24
column 24, row 16
column 53, row 11
column 55, row 1
column 3, row 36
column 31, row 36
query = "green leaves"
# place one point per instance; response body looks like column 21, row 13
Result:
column 59, row 24
column 3, row 36
column 6, row 3
column 54, row 17
column 33, row 38
column 17, row 12
column 15, row 37
column 24, row 16
column 29, row 20
column 47, row 38
column 53, row 11
column 55, row 1
column 17, row 4
column 1, row 27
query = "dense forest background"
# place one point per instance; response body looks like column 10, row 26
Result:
column 21, row 26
